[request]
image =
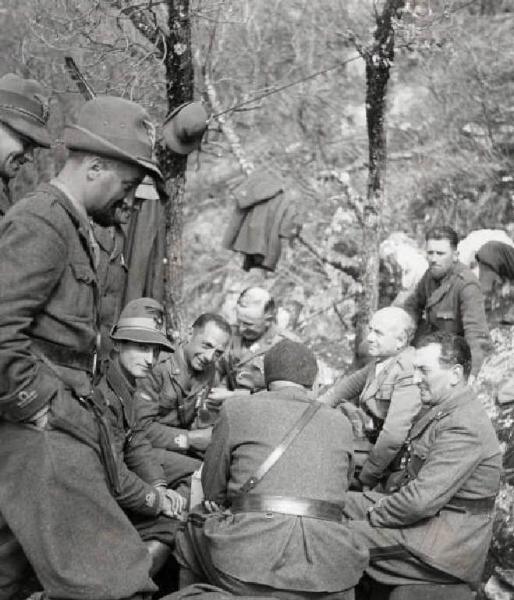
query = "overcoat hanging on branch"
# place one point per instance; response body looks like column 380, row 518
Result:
column 263, row 216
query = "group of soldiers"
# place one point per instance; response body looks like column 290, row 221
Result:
column 387, row 478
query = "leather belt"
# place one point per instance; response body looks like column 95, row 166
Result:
column 64, row 356
column 475, row 506
column 286, row 505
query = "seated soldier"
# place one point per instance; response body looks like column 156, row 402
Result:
column 241, row 368
column 448, row 296
column 142, row 490
column 387, row 400
column 172, row 398
column 284, row 535
column 436, row 523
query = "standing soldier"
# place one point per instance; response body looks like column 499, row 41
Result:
column 448, row 297
column 130, row 253
column 56, row 461
column 23, row 118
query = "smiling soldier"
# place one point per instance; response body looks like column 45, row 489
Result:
column 23, row 120
column 448, row 296
column 56, row 461
column 436, row 523
column 143, row 493
column 172, row 399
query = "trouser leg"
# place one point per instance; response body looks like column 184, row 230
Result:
column 390, row 563
column 55, row 499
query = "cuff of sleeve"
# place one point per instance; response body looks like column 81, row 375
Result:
column 367, row 479
column 26, row 403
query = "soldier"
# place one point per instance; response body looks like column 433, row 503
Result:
column 283, row 535
column 136, row 246
column 448, row 296
column 143, row 493
column 241, row 369
column 23, row 118
column 386, row 397
column 172, row 399
column 436, row 524
column 23, row 127
column 56, row 462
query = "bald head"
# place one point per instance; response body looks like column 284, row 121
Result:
column 390, row 331
column 255, row 312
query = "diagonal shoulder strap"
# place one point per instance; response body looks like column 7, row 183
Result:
column 279, row 450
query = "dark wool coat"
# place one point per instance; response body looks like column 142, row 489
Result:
column 277, row 550
column 454, row 305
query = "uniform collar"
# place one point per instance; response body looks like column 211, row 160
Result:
column 292, row 393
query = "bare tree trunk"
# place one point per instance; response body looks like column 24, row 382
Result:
column 174, row 47
column 179, row 88
column 378, row 64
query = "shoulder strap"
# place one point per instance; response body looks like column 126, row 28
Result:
column 279, row 450
column 118, row 385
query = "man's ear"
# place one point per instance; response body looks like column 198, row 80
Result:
column 94, row 167
column 457, row 375
column 269, row 317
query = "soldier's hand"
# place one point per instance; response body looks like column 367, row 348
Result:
column 40, row 419
column 199, row 439
column 210, row 506
column 217, row 396
column 178, row 502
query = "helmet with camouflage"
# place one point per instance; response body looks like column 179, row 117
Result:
column 142, row 320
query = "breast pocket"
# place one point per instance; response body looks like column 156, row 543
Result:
column 81, row 290
column 383, row 399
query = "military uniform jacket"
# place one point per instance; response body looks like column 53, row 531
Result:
column 391, row 400
column 454, row 305
column 169, row 398
column 242, row 365
column 139, row 469
column 282, row 551
column 49, row 295
column 453, row 453
column 112, row 275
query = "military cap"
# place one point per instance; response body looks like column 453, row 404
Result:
column 115, row 128
column 184, row 127
column 290, row 361
column 24, row 108
column 142, row 320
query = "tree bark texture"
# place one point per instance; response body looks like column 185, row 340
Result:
column 179, row 89
column 378, row 64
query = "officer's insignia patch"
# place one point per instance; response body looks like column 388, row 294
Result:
column 150, row 499
column 151, row 133
column 45, row 108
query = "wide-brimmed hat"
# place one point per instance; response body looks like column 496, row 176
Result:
column 142, row 320
column 184, row 127
column 24, row 108
column 116, row 128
